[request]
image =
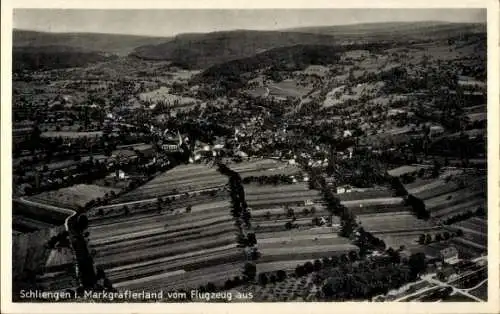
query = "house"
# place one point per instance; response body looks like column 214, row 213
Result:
column 449, row 255
column 120, row 174
column 308, row 202
column 347, row 133
column 344, row 189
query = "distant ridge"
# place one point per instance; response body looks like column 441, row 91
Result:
column 202, row 50
column 86, row 42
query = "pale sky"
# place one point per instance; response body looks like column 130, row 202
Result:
column 171, row 22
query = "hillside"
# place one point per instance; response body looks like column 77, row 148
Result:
column 53, row 57
column 106, row 43
column 200, row 50
column 204, row 50
column 395, row 30
column 230, row 76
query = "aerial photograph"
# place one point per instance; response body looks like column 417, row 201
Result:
column 249, row 155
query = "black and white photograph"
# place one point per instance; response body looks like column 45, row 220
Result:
column 249, row 155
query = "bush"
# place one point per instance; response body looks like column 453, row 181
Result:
column 308, row 267
column 317, row 265
column 300, row 271
column 263, row 280
column 281, row 275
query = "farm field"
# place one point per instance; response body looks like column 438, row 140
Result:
column 257, row 165
column 367, row 194
column 393, row 222
column 163, row 245
column 181, row 179
column 287, row 88
column 281, row 90
column 73, row 197
column 446, row 198
column 472, row 204
column 475, row 232
column 376, row 205
column 397, row 228
column 272, row 196
column 289, row 247
column 466, row 249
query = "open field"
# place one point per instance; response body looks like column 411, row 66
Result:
column 73, row 197
column 368, row 194
column 475, row 230
column 393, row 222
column 397, row 228
column 283, row 89
column 366, row 206
column 181, row 179
column 472, row 204
column 287, row 88
column 162, row 245
column 280, row 246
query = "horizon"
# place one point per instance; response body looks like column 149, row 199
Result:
column 243, row 29
column 176, row 22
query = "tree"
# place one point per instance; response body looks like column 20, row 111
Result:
column 334, row 260
column 428, row 239
column 251, row 239
column 347, row 225
column 300, row 271
column 460, row 233
column 288, row 225
column 436, row 169
column 308, row 267
column 317, row 265
column 211, row 287
column 417, row 263
column 188, row 209
column 446, row 235
column 438, row 237
column 421, row 239
column 273, row 279
column 263, row 280
column 353, row 256
column 228, row 284
column 126, row 210
column 281, row 275
column 249, row 272
column 236, row 281
column 82, row 222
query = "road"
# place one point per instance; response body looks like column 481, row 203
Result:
column 436, row 284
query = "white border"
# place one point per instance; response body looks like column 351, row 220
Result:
column 492, row 306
